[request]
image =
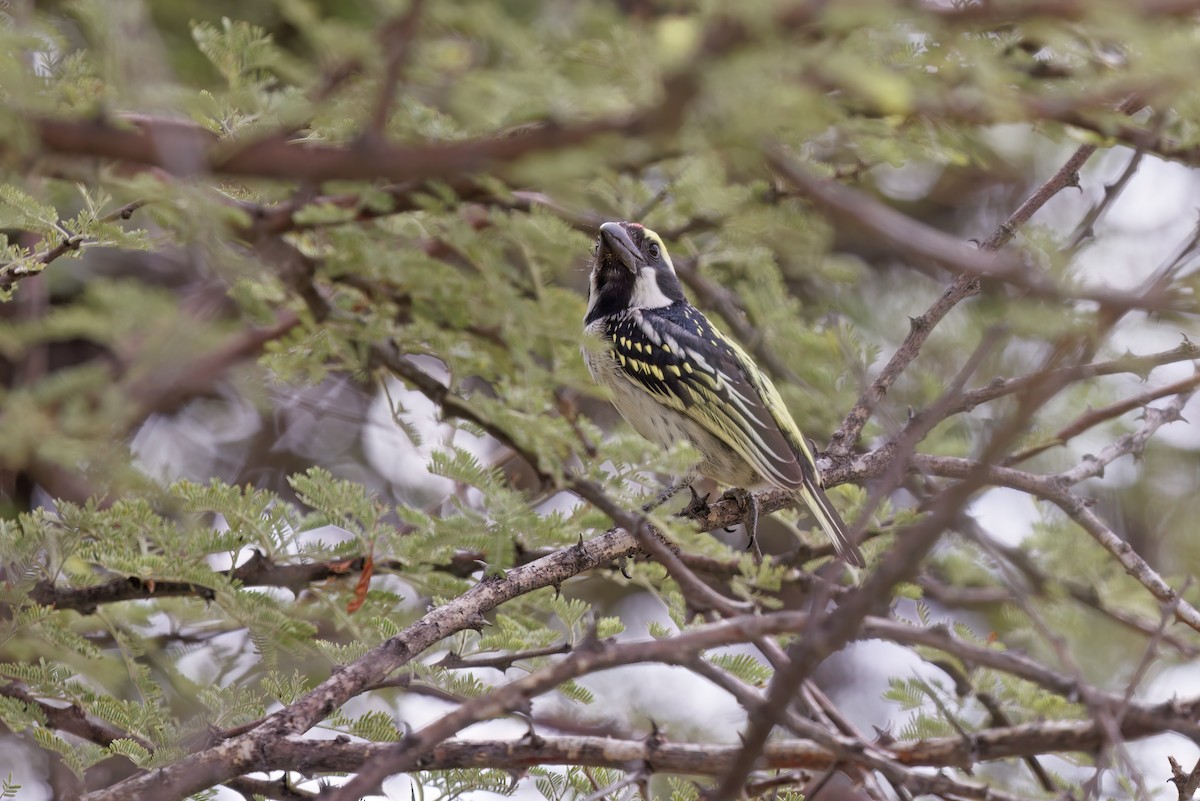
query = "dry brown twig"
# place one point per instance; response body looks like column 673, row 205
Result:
column 939, row 247
column 11, row 274
column 1186, row 782
column 824, row 632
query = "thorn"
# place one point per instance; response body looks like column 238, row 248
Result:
column 697, row 507
column 656, row 738
column 623, row 566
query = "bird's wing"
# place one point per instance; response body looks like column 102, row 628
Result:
column 690, row 366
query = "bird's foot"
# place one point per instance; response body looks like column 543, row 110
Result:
column 750, row 509
column 667, row 495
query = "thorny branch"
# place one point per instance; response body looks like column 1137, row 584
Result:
column 847, row 623
column 899, row 231
column 275, row 743
column 11, row 274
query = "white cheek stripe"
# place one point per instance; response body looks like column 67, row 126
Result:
column 646, row 294
column 593, row 295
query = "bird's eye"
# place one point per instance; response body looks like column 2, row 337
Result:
column 653, row 251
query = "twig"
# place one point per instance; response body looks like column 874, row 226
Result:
column 1102, row 712
column 1139, row 365
column 834, row 630
column 1094, row 417
column 258, row 571
column 996, row 714
column 395, row 39
column 923, row 245
column 153, row 142
column 1131, row 444
column 705, row 759
column 906, row 441
column 603, row 793
column 1086, row 229
column 1024, row 10
column 1186, row 782
column 11, row 274
column 278, row 789
column 1055, row 489
column 1085, row 595
column 963, row 286
column 73, row 719
column 452, row 661
column 1067, row 176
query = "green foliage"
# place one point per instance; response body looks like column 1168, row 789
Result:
column 576, row 693
column 457, row 684
column 376, row 726
column 195, row 407
column 743, row 666
column 452, row 784
column 683, row 790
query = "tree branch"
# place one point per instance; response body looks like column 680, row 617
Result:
column 240, row 754
column 395, row 38
column 898, row 230
column 11, row 274
column 72, row 719
column 158, row 143
column 258, row 571
column 1139, row 365
column 1055, row 489
column 701, row 759
column 1094, row 417
column 1186, row 782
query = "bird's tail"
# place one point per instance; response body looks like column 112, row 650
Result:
column 835, row 528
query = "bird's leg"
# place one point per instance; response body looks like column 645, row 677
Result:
column 750, row 509
column 670, row 493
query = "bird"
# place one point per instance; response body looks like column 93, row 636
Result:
column 674, row 376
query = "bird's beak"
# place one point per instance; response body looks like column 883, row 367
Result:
column 615, row 242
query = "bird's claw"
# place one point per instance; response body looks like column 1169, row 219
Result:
column 750, row 510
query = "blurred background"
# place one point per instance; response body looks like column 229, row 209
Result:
column 221, row 330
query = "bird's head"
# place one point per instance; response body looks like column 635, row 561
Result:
column 630, row 270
